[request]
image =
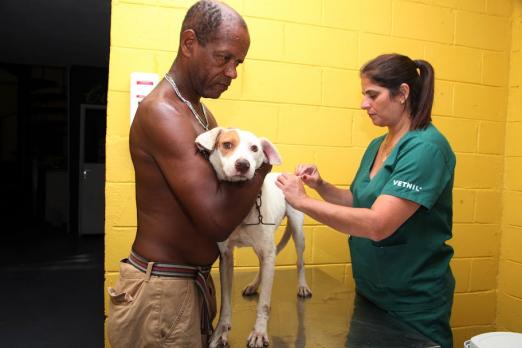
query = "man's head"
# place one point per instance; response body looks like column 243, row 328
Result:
column 214, row 40
column 206, row 16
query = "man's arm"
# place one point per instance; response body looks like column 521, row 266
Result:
column 215, row 207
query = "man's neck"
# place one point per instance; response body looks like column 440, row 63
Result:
column 184, row 86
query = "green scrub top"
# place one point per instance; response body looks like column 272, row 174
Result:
column 409, row 270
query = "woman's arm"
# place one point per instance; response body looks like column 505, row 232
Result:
column 380, row 221
column 335, row 195
column 309, row 174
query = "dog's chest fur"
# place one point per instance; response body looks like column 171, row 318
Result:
column 273, row 211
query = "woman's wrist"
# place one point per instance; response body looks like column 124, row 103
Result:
column 320, row 184
column 300, row 204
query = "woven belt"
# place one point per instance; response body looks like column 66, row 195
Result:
column 200, row 274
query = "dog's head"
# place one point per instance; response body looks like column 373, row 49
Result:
column 235, row 154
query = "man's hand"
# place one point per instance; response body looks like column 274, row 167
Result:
column 264, row 169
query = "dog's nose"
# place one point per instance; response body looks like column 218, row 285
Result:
column 242, row 166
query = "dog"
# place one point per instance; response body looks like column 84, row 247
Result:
column 235, row 154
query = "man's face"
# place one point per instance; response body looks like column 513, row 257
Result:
column 214, row 65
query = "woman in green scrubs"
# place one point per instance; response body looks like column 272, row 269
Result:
column 398, row 210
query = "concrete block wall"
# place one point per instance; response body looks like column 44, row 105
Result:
column 509, row 307
column 299, row 86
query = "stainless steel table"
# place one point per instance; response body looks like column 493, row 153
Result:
column 333, row 317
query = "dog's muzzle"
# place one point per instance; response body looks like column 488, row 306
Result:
column 242, row 166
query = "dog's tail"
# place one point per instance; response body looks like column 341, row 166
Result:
column 285, row 238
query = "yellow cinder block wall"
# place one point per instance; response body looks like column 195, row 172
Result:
column 300, row 87
column 509, row 314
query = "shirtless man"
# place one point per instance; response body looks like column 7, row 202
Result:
column 165, row 297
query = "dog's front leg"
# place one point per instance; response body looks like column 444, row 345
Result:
column 259, row 335
column 226, row 270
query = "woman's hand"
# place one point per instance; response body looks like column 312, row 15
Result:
column 309, row 174
column 292, row 188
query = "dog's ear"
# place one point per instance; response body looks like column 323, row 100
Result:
column 207, row 141
column 270, row 151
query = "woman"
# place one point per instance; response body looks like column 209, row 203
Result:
column 398, row 210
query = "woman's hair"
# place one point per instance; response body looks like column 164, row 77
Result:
column 392, row 70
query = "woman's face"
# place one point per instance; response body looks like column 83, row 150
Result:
column 384, row 109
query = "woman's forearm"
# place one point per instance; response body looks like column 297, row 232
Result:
column 385, row 216
column 335, row 195
column 359, row 222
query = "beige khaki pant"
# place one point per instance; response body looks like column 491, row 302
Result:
column 153, row 311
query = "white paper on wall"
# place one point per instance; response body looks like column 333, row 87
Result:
column 141, row 85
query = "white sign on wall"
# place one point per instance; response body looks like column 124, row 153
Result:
column 141, row 85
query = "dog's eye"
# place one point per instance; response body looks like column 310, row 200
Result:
column 227, row 145
column 253, row 148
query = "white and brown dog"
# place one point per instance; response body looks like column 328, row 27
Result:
column 235, row 155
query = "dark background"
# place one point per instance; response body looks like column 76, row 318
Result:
column 54, row 56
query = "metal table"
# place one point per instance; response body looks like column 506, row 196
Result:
column 333, row 317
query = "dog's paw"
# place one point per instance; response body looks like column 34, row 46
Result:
column 219, row 338
column 304, row 291
column 249, row 290
column 258, row 339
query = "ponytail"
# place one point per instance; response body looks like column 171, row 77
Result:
column 421, row 107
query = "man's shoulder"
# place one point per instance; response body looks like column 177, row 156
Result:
column 163, row 122
column 158, row 104
column 159, row 111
